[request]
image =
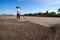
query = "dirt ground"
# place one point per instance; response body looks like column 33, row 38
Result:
column 45, row 21
column 11, row 29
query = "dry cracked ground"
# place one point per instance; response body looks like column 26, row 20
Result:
column 11, row 29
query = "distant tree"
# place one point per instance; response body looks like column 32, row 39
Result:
column 59, row 10
column 30, row 14
column 43, row 14
column 39, row 13
column 58, row 15
column 35, row 14
column 47, row 12
column 26, row 14
column 51, row 14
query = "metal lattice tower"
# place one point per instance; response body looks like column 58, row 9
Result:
column 18, row 8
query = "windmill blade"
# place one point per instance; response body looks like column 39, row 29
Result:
column 18, row 0
column 21, row 0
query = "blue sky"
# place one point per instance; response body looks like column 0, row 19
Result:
column 28, row 6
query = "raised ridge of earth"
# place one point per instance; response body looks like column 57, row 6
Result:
column 11, row 29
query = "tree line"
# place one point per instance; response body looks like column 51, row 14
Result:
column 46, row 14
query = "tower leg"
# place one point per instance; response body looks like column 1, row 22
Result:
column 18, row 16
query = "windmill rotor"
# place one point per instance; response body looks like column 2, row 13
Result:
column 17, row 6
column 18, row 9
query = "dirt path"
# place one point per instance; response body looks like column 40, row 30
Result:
column 46, row 21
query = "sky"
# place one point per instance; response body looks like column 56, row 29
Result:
column 28, row 6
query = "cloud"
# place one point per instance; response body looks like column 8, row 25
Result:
column 53, row 2
column 21, row 0
column 49, row 2
column 40, row 2
column 56, row 2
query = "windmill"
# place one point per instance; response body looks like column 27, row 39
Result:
column 18, row 10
